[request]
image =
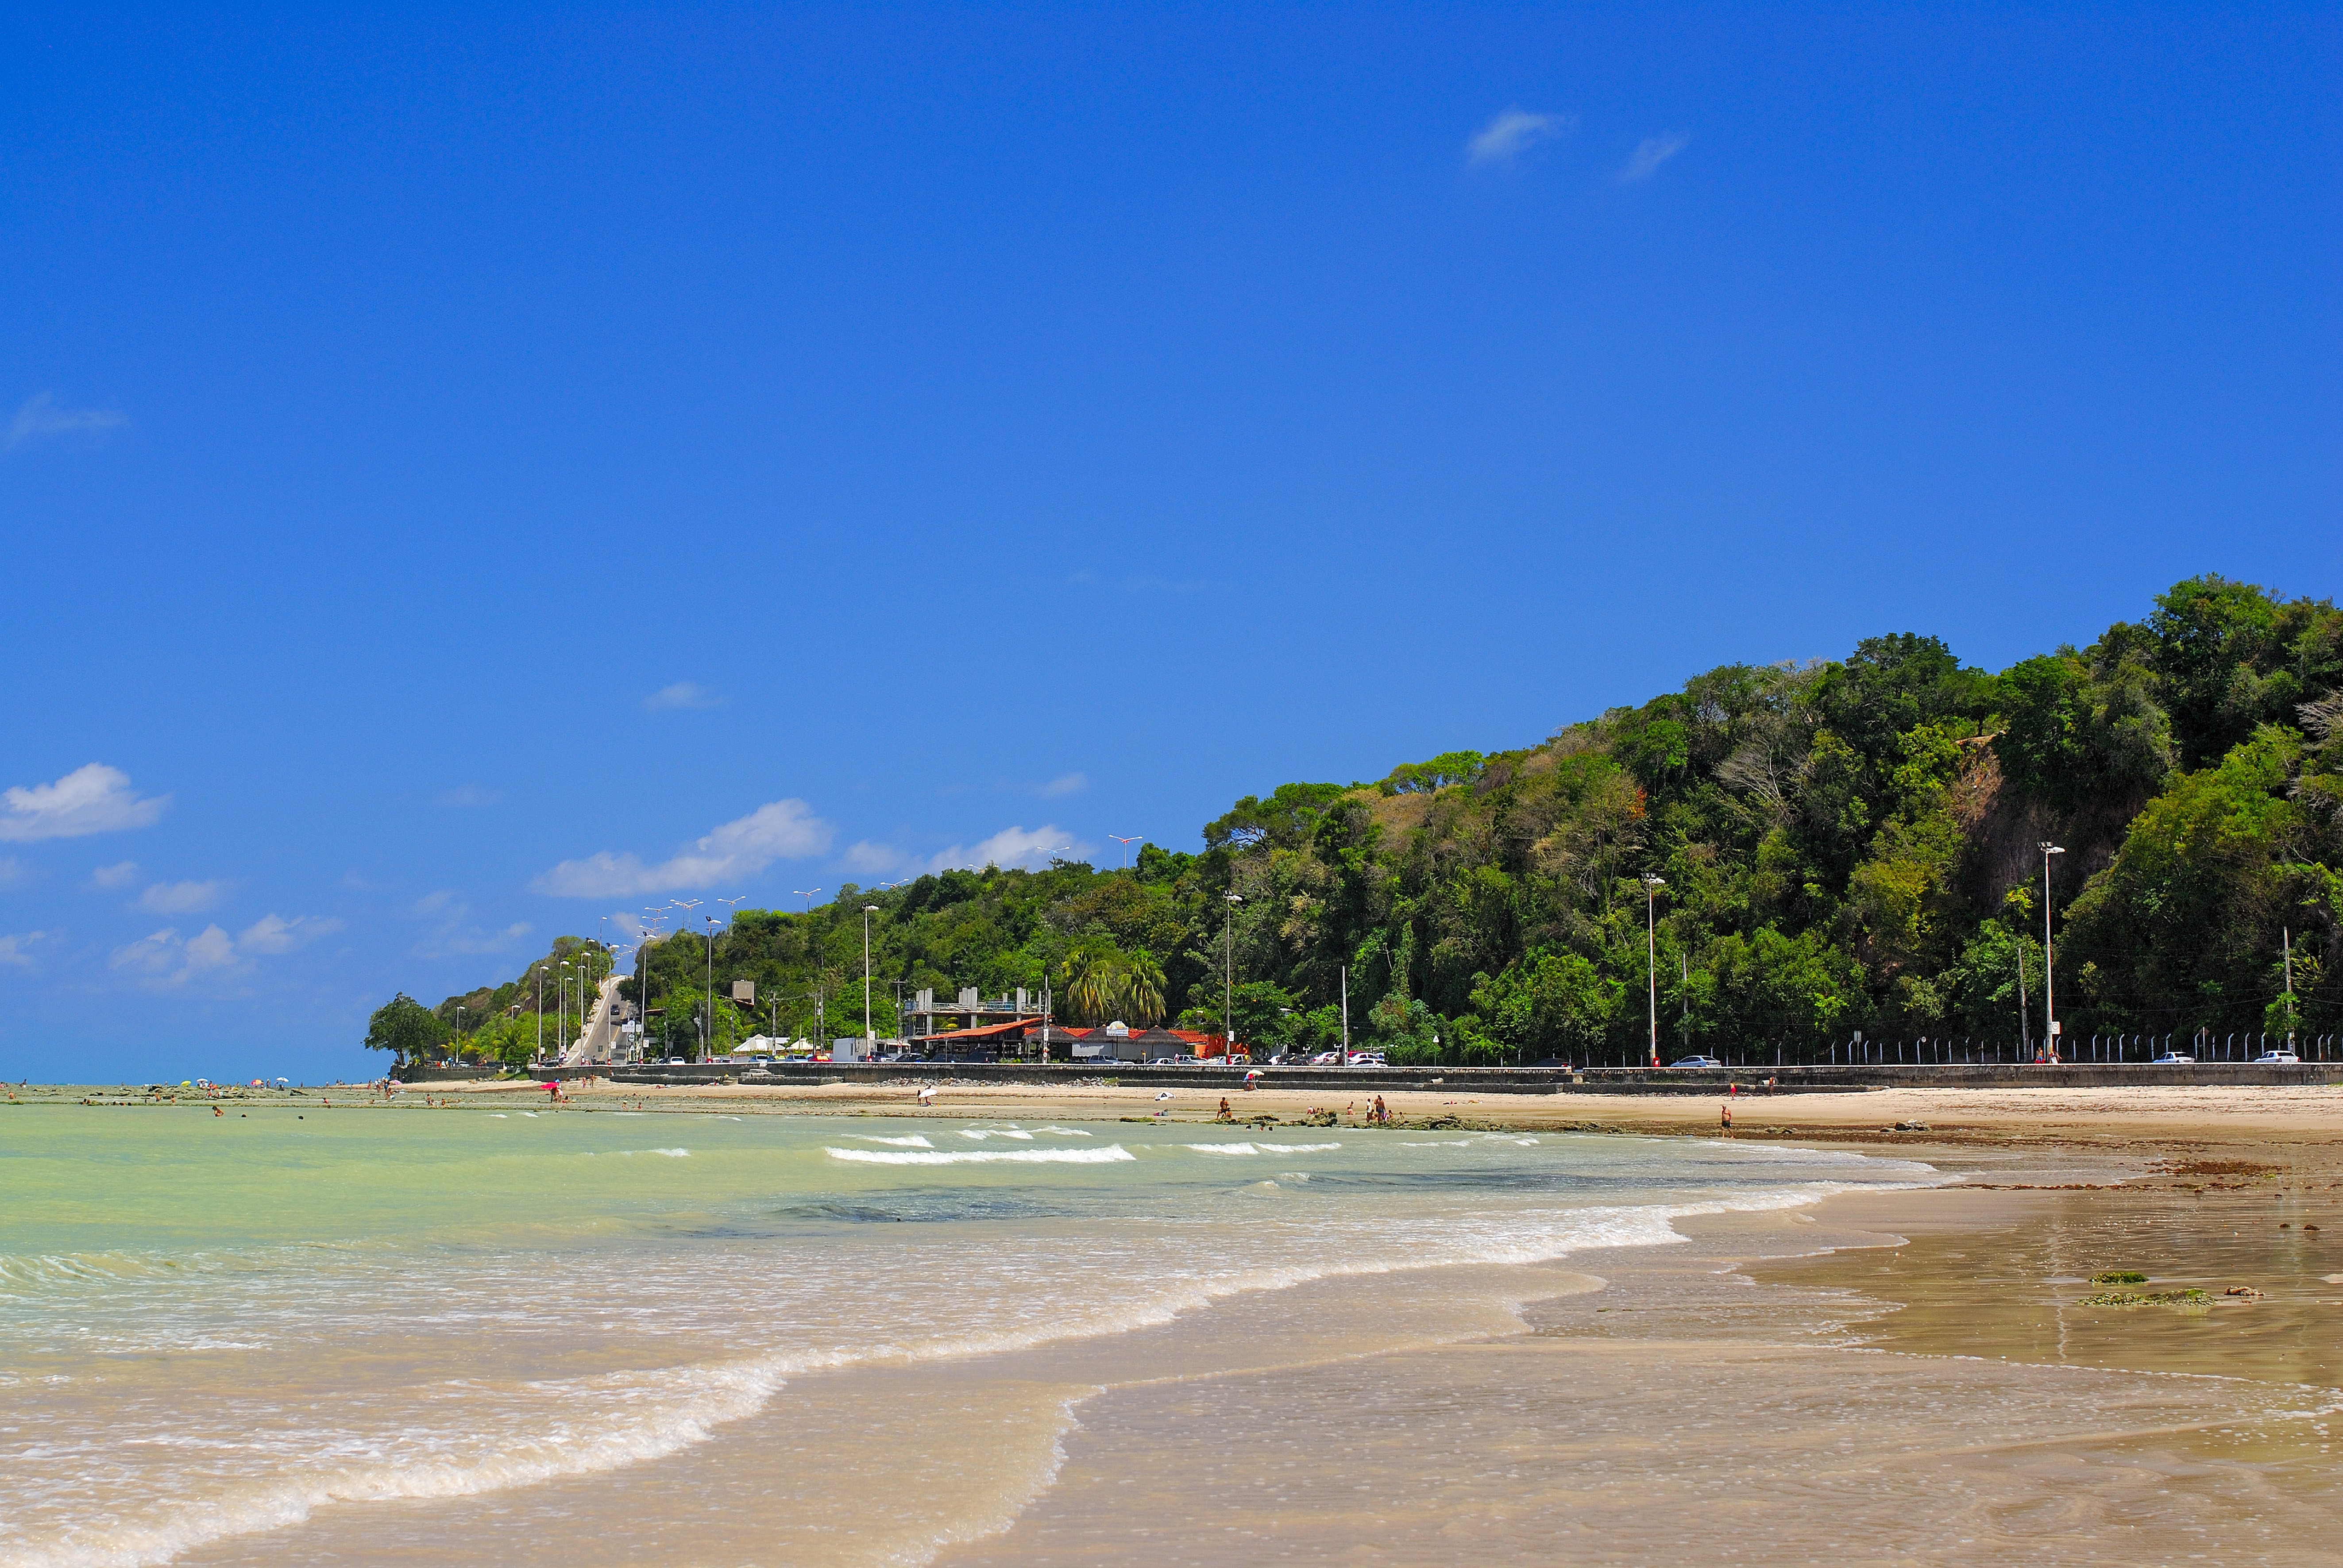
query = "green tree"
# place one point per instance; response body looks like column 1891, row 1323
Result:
column 405, row 1028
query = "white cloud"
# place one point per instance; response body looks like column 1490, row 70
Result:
column 12, row 948
column 782, row 830
column 1014, row 847
column 1651, row 153
column 184, row 897
column 682, row 694
column 93, row 798
column 40, row 415
column 120, row 874
column 273, row 933
column 465, row 795
column 13, row 871
column 1512, row 133
column 1066, row 784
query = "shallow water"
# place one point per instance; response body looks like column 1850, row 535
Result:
column 367, row 1335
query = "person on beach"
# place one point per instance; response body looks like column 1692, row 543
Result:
column 1726, row 1114
column 1226, row 1115
column 927, row 1094
column 1381, row 1114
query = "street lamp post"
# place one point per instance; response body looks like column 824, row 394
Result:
column 709, row 1039
column 2049, row 992
column 1127, row 843
column 1229, row 979
column 869, row 1038
column 1346, row 1015
column 1652, row 886
column 540, row 1012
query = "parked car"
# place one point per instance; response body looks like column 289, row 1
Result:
column 896, row 1056
column 2174, row 1059
column 1696, row 1062
column 2285, row 1056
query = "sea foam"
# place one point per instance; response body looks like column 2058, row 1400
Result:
column 1106, row 1156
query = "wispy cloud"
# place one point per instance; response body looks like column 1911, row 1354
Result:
column 873, row 859
column 92, row 799
column 1650, row 154
column 41, row 414
column 782, row 830
column 185, row 897
column 464, row 796
column 1066, row 784
column 453, row 929
column 682, row 694
column 12, row 948
column 120, row 874
column 166, row 958
column 1014, row 847
column 273, row 933
column 13, row 871
column 1512, row 133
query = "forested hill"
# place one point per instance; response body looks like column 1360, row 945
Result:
column 1850, row 844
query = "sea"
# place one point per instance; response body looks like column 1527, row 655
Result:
column 366, row 1335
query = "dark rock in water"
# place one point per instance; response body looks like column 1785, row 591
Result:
column 1911, row 1127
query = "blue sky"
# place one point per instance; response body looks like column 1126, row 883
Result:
column 466, row 475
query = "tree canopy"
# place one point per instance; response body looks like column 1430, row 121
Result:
column 1848, row 844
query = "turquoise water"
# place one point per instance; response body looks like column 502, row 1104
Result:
column 216, row 1328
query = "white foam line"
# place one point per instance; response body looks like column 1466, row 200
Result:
column 1066, row 1132
column 915, row 1140
column 980, row 1133
column 1259, row 1147
column 1108, row 1155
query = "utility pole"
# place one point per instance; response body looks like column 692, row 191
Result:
column 2288, row 937
column 709, row 1039
column 2025, row 1029
column 1346, row 1015
column 1684, row 995
column 540, row 1012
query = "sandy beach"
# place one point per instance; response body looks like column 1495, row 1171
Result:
column 2110, row 1330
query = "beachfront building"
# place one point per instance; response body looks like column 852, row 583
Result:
column 970, row 1010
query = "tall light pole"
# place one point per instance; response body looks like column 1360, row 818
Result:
column 561, row 1010
column 2049, row 965
column 869, row 1038
column 734, row 909
column 540, row 1012
column 1229, row 981
column 1127, row 843
column 807, row 894
column 1652, row 886
column 1346, row 1015
column 708, row 1040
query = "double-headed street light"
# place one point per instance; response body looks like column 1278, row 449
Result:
column 1652, row 886
column 1228, row 985
column 2049, row 994
column 869, row 1038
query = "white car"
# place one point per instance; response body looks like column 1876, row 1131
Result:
column 2285, row 1056
column 2174, row 1059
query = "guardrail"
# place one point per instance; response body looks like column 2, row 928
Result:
column 1508, row 1079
